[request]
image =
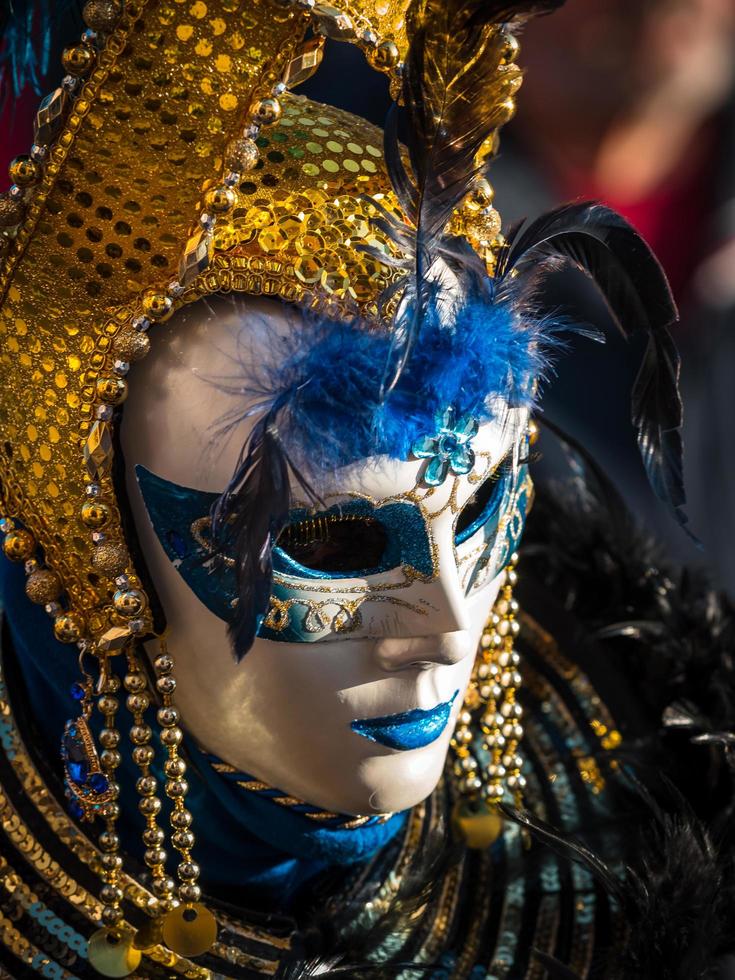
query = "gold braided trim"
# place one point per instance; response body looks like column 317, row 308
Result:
column 74, row 893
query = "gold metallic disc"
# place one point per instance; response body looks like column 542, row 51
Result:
column 190, row 930
column 113, row 955
column 476, row 823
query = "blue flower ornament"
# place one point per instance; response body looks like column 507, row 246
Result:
column 449, row 450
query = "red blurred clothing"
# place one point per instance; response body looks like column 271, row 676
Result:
column 675, row 217
column 16, row 127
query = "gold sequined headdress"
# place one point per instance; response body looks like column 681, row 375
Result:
column 171, row 163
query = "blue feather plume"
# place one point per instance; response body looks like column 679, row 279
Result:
column 325, row 377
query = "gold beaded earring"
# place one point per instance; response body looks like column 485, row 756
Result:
column 486, row 740
column 179, row 920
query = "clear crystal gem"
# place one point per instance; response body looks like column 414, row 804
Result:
column 50, row 116
column 114, row 640
column 305, row 63
column 98, row 449
column 333, row 23
column 196, row 256
column 104, row 412
column 141, row 323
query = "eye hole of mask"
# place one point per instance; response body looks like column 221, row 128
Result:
column 481, row 505
column 336, row 544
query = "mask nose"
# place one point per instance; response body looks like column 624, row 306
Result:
column 441, row 648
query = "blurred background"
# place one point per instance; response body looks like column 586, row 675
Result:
column 630, row 102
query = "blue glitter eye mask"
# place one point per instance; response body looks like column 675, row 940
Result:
column 496, row 533
column 313, row 547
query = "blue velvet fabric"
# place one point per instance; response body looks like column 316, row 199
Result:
column 247, row 845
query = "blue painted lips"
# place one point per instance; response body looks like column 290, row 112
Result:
column 409, row 729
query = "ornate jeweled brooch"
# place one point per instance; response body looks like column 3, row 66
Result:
column 449, row 450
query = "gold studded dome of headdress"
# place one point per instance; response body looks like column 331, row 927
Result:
column 172, row 162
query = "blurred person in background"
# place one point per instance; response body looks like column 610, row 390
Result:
column 632, row 102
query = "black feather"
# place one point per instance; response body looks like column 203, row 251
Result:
column 603, row 245
column 454, row 84
column 246, row 521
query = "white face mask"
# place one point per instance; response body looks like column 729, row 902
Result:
column 347, row 698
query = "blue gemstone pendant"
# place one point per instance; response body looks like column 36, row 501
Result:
column 87, row 787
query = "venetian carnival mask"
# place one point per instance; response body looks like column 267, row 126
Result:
column 323, row 478
column 348, row 694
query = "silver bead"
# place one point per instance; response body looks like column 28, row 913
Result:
column 176, row 788
column 174, row 768
column 155, row 855
column 138, row 703
column 164, row 663
column 109, row 841
column 153, row 836
column 110, row 758
column 190, row 892
column 163, row 886
column 140, row 734
column 166, row 685
column 149, row 806
column 109, row 738
column 168, row 716
column 171, row 736
column 183, row 840
column 147, row 785
column 188, row 870
column 135, row 682
column 111, row 915
column 108, row 705
column 143, row 755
